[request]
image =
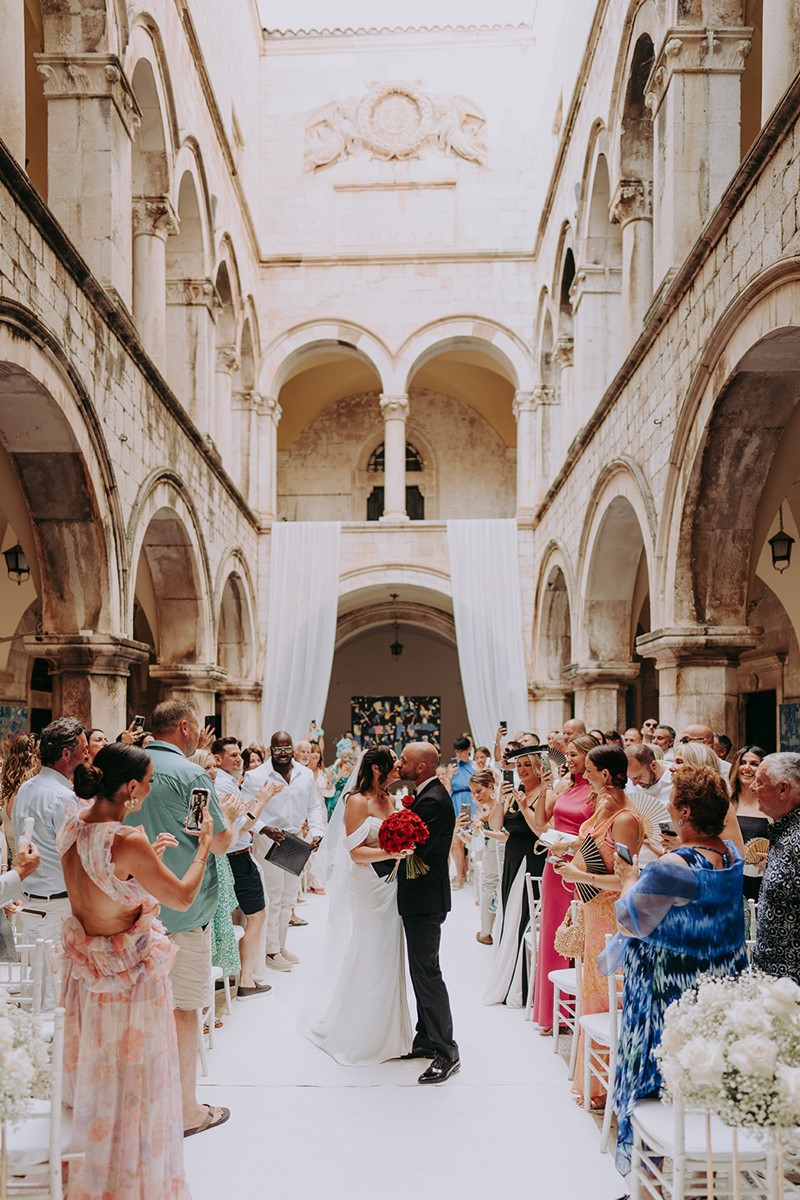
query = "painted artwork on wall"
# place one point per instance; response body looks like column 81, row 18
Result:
column 395, row 720
column 790, row 727
column 13, row 721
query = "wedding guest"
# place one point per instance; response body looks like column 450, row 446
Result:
column 631, row 737
column 592, row 871
column 664, row 737
column 698, row 754
column 648, row 729
column 482, row 759
column 703, row 735
column 573, row 728
column 325, row 788
column 483, row 786
column 614, row 738
column 177, row 731
column 302, row 752
column 460, row 793
column 20, row 763
column 647, row 775
column 777, row 789
column 598, row 735
column 95, row 739
column 508, row 983
column 46, row 797
column 566, row 811
column 680, row 918
column 752, row 822
column 121, row 1073
column 722, row 745
column 252, row 757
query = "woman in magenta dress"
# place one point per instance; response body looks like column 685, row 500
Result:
column 566, row 810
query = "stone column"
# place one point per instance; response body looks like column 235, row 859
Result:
column 222, row 425
column 697, row 675
column 694, row 94
column 564, row 360
column 525, row 412
column 780, row 51
column 596, row 305
column 263, row 496
column 92, row 118
column 244, row 433
column 154, row 219
column 12, row 77
column 601, row 691
column 241, row 710
column 90, row 675
column 550, row 707
column 632, row 209
column 547, row 438
column 395, row 412
column 191, row 308
column 196, row 682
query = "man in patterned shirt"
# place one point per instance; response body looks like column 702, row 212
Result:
column 777, row 788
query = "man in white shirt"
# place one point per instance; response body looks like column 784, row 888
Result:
column 647, row 775
column 46, row 797
column 664, row 737
column 247, row 881
column 705, row 735
column 287, row 810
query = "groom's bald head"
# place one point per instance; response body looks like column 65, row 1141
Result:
column 418, row 762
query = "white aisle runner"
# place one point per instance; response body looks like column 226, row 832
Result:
column 304, row 1128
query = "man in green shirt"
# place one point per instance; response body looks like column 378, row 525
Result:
column 177, row 729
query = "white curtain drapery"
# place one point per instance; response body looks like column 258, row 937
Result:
column 484, row 569
column 301, row 628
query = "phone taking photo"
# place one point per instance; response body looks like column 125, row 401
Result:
column 624, row 853
column 508, row 777
column 137, row 724
column 667, row 829
column 198, row 803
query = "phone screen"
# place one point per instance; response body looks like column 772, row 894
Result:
column 138, row 723
column 198, row 802
column 466, row 810
column 624, row 853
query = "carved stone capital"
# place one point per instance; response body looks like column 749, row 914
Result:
column 227, row 360
column 154, row 216
column 706, row 645
column 632, row 201
column 91, row 77
column 246, row 400
column 545, row 395
column 524, row 402
column 564, row 352
column 603, row 674
column 189, row 677
column 87, row 653
column 696, row 51
column 394, row 408
column 270, row 407
column 193, row 293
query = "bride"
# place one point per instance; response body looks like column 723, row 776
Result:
column 360, row 1014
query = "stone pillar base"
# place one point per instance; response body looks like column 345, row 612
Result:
column 600, row 693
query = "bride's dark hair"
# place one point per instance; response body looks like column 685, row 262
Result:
column 380, row 757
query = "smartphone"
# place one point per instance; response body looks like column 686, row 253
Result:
column 137, row 723
column 211, row 722
column 27, row 833
column 508, row 777
column 666, row 828
column 466, row 811
column 198, row 802
column 504, row 726
column 624, row 853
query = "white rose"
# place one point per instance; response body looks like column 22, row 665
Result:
column 753, row 1055
column 17, row 1073
column 704, row 1060
column 672, row 1038
column 712, row 994
column 748, row 1016
column 6, row 1035
column 781, row 997
column 789, row 1084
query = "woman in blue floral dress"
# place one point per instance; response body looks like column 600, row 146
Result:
column 680, row 918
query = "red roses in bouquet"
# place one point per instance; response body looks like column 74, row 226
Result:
column 399, row 833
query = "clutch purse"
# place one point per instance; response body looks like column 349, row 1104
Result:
column 384, row 867
column 290, row 855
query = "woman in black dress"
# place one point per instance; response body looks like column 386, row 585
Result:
column 752, row 821
column 515, row 812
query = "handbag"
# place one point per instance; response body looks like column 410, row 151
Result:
column 290, row 855
column 570, row 937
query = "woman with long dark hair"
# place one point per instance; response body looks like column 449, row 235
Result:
column 359, row 1012
column 121, row 1073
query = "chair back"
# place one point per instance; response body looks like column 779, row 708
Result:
column 615, row 985
column 56, row 1099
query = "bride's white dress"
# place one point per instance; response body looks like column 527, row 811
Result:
column 359, row 1013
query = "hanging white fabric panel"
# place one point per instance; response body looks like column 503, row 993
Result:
column 484, row 568
column 301, row 630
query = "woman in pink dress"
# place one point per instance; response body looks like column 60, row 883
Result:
column 121, row 1053
column 567, row 810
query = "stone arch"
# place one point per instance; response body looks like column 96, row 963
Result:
column 53, row 440
column 286, row 353
column 552, row 634
column 729, row 453
column 563, row 283
column 510, row 355
column 159, row 131
column 235, row 609
column 189, row 249
column 642, row 21
column 168, row 553
column 601, row 240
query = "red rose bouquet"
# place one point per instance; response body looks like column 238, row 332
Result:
column 400, row 833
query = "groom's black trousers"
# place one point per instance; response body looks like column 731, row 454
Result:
column 435, row 1021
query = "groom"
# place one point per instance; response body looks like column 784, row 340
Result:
column 423, row 904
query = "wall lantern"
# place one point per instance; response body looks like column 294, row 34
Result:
column 396, row 646
column 780, row 545
column 17, row 564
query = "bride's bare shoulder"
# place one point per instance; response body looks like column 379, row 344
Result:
column 356, row 812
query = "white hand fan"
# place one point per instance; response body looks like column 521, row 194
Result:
column 651, row 810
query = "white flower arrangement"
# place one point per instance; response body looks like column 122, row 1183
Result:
column 732, row 1046
column 24, row 1061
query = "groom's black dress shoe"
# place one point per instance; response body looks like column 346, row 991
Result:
column 440, row 1070
column 418, row 1054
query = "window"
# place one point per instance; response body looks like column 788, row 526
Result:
column 376, row 464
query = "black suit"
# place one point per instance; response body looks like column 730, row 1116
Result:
column 423, row 904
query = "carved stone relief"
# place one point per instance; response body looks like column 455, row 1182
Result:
column 395, row 121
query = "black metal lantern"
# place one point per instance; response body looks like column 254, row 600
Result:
column 17, row 564
column 396, row 646
column 780, row 545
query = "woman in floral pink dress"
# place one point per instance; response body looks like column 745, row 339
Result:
column 121, row 1054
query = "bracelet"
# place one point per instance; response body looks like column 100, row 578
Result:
column 200, row 860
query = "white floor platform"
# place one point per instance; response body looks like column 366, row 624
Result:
column 302, row 1126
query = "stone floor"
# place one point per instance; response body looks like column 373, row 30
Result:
column 302, row 1126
